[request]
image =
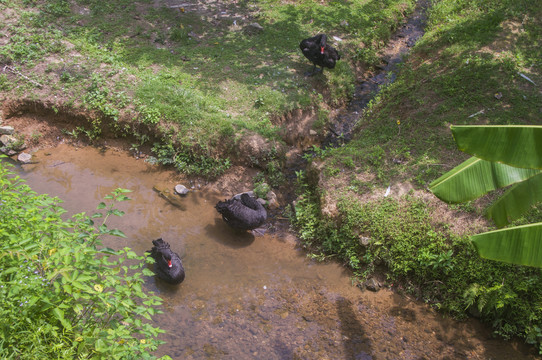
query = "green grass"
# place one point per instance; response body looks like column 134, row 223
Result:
column 195, row 79
column 467, row 59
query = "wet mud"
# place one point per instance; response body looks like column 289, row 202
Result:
column 247, row 297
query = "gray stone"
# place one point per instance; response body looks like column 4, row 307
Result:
column 181, row 189
column 253, row 29
column 24, row 158
column 7, row 140
column 8, row 151
column 11, row 142
column 272, row 199
column 6, row 130
column 372, row 284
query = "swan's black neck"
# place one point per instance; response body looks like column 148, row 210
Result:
column 323, row 40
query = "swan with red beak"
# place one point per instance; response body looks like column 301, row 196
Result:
column 319, row 53
column 168, row 265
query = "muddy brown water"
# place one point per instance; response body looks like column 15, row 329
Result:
column 247, row 297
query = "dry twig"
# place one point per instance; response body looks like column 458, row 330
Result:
column 16, row 72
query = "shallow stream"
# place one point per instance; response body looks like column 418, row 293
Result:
column 247, row 297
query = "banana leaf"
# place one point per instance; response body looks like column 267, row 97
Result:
column 515, row 145
column 476, row 177
column 521, row 245
column 516, row 201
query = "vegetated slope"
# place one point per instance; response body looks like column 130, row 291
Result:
column 478, row 63
column 191, row 77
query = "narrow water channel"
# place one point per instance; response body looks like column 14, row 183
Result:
column 248, row 297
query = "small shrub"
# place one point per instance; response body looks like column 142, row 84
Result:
column 64, row 295
column 189, row 163
column 261, row 189
column 4, row 82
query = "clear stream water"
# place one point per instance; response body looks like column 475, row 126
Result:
column 247, row 297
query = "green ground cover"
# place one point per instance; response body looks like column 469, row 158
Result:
column 467, row 69
column 195, row 77
column 65, row 295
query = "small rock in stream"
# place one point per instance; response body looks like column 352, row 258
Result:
column 372, row 284
column 181, row 189
column 24, row 158
column 272, row 200
column 8, row 151
column 7, row 140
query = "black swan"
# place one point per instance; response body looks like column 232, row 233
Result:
column 319, row 53
column 243, row 213
column 168, row 265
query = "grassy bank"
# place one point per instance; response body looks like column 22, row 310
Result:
column 479, row 63
column 193, row 75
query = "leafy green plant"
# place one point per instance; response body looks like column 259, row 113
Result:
column 165, row 153
column 503, row 156
column 275, row 174
column 64, row 294
column 98, row 98
column 35, row 136
column 189, row 163
column 178, row 34
column 5, row 84
column 424, row 258
column 261, row 189
column 367, row 56
column 259, row 102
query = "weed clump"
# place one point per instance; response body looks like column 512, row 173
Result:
column 64, row 295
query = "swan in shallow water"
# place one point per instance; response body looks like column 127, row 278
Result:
column 243, row 212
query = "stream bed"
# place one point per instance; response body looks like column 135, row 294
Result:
column 247, row 297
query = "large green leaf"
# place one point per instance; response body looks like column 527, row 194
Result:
column 520, row 245
column 476, row 177
column 516, row 201
column 515, row 145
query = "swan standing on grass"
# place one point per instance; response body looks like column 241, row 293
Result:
column 319, row 53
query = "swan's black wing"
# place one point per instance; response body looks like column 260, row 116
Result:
column 313, row 42
column 174, row 274
column 245, row 213
column 160, row 252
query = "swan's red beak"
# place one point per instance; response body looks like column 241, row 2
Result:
column 169, row 263
column 322, row 50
